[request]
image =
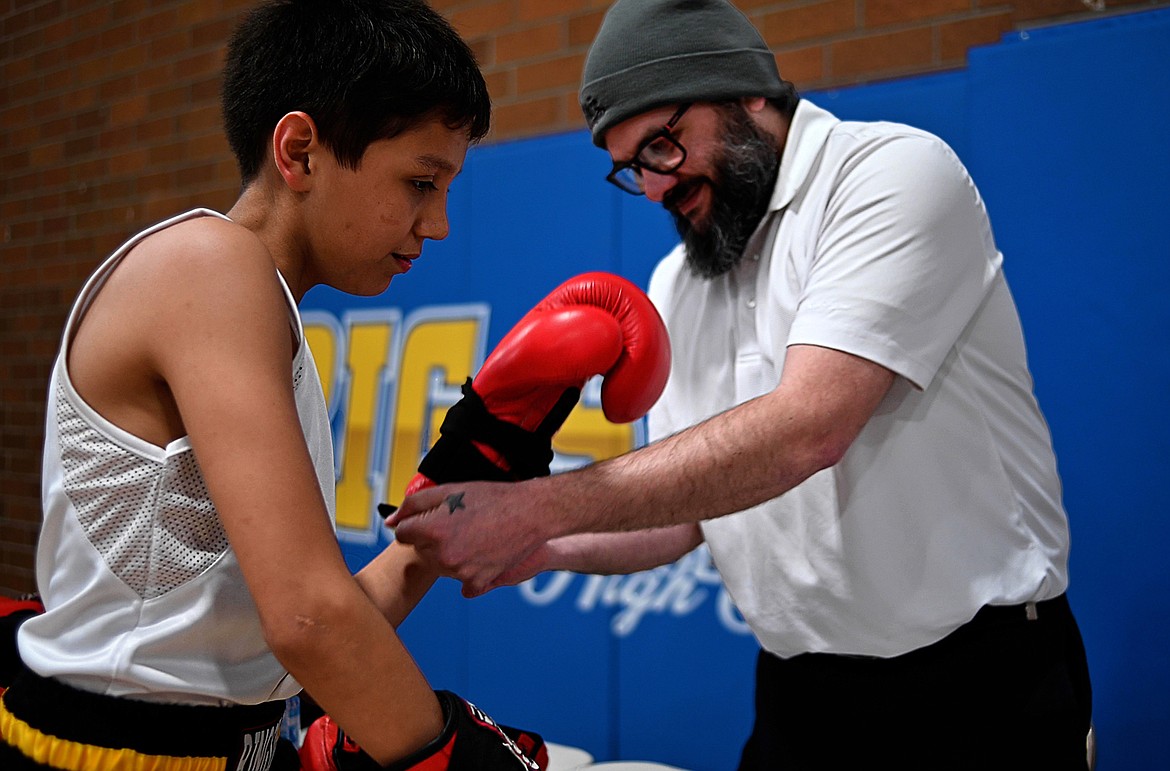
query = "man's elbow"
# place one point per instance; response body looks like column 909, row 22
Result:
column 828, row 450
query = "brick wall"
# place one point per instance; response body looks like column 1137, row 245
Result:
column 109, row 122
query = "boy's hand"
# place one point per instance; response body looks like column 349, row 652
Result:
column 502, row 429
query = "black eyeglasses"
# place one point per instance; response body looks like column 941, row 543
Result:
column 661, row 153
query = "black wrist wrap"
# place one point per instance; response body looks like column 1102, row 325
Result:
column 470, row 741
column 455, row 459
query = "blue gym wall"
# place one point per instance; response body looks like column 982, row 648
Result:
column 1067, row 132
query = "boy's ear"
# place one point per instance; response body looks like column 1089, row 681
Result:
column 294, row 143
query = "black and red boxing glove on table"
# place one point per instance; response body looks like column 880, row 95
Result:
column 469, row 741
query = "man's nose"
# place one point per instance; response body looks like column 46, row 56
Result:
column 656, row 186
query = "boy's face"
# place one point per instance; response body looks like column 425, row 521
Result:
column 366, row 226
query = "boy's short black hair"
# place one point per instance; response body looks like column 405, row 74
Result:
column 362, row 69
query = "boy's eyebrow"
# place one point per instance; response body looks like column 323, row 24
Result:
column 438, row 164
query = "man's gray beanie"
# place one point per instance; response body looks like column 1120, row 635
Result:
column 651, row 53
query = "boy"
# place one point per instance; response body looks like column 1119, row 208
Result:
column 189, row 570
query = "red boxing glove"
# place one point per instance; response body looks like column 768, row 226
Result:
column 469, row 741
column 593, row 324
column 326, row 747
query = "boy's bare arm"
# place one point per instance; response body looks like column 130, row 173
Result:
column 396, row 580
column 222, row 344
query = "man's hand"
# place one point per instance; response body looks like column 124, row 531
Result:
column 445, row 525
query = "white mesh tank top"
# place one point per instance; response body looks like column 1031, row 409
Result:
column 143, row 593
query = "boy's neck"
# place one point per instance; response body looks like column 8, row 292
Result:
column 260, row 210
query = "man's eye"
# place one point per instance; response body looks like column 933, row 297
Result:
column 658, row 150
column 424, row 185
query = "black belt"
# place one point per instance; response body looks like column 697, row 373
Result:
column 1027, row 611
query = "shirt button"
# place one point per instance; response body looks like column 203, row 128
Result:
column 751, row 303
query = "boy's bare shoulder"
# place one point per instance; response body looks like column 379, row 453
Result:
column 179, row 300
column 196, row 277
column 199, row 263
column 203, row 244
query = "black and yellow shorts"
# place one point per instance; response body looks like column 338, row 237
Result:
column 47, row 724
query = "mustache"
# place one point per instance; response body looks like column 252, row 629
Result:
column 680, row 192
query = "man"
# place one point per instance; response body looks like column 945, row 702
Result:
column 848, row 422
column 190, row 575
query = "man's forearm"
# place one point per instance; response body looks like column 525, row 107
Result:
column 726, row 464
column 620, row 553
column 737, row 459
column 486, row 534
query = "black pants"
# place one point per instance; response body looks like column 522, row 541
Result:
column 1002, row 692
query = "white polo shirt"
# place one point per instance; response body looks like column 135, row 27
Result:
column 878, row 244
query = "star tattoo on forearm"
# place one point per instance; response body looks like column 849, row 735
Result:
column 454, row 502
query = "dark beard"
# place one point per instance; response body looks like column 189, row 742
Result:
column 741, row 191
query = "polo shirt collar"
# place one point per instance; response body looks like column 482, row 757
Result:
column 807, row 135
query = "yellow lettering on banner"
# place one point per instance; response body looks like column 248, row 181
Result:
column 366, row 361
column 323, row 344
column 587, row 433
column 438, row 354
